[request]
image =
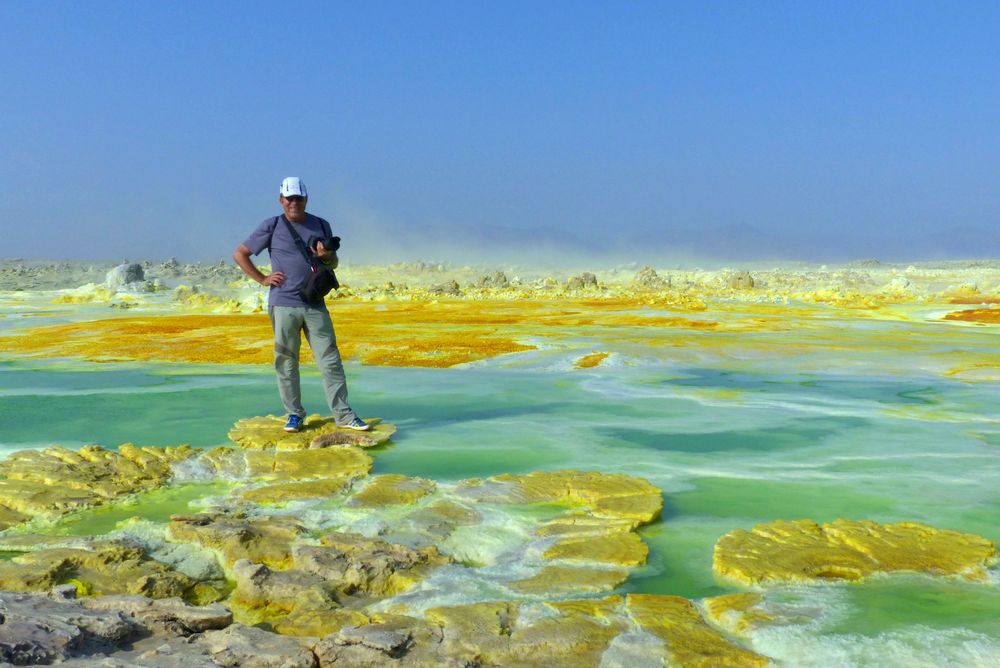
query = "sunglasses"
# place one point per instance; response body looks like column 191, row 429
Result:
column 296, row 198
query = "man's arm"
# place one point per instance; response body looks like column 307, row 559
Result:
column 242, row 257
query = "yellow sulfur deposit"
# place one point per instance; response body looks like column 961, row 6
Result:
column 308, row 464
column 614, row 496
column 593, row 607
column 690, row 641
column 390, row 490
column 268, row 431
column 397, row 333
column 623, row 549
column 737, row 613
column 590, row 361
column 56, row 480
column 284, row 492
column 85, row 295
column 561, row 580
column 803, row 551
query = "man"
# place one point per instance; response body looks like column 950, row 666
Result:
column 290, row 313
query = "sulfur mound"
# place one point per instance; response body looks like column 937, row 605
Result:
column 803, row 551
column 258, row 433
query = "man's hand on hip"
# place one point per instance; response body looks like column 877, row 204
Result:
column 275, row 278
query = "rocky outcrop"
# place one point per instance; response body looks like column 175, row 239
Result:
column 740, row 280
column 497, row 280
column 125, row 274
column 584, row 280
column 266, row 540
column 647, row 279
column 38, row 630
column 325, row 586
column 171, row 616
column 368, row 566
column 803, row 551
column 448, row 288
column 102, row 568
column 570, row 634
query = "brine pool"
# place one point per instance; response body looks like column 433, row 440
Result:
column 732, row 439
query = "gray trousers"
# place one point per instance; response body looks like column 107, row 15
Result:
column 288, row 322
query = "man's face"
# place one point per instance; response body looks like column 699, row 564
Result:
column 294, row 206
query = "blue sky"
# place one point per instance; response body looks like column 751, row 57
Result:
column 471, row 131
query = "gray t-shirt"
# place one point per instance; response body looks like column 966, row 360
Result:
column 286, row 257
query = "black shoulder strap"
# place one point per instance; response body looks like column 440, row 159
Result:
column 299, row 243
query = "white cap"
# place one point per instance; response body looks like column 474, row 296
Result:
column 293, row 186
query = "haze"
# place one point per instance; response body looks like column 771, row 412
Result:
column 479, row 131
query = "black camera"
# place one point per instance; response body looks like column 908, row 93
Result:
column 329, row 243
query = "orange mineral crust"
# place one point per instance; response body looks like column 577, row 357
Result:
column 405, row 333
column 984, row 315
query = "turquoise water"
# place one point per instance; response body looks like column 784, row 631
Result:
column 731, row 440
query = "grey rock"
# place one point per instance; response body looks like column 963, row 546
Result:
column 257, row 582
column 355, row 563
column 166, row 615
column 388, row 641
column 250, row 647
column 497, row 280
column 584, row 280
column 41, row 630
column 648, row 278
column 124, row 274
column 741, row 280
column 447, row 288
column 66, row 592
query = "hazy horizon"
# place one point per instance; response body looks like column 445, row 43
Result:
column 573, row 132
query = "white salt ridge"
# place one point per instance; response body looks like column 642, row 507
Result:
column 447, row 585
column 634, row 649
column 914, row 647
column 484, row 545
column 195, row 469
column 190, row 559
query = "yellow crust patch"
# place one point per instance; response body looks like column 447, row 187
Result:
column 392, row 489
column 803, row 551
column 591, row 360
column 268, row 431
column 690, row 641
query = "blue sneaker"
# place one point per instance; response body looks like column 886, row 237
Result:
column 357, row 424
column 294, row 423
